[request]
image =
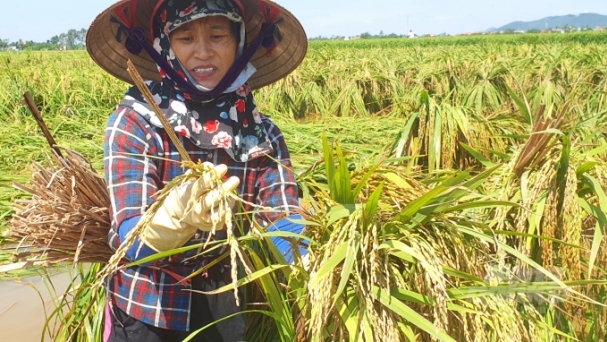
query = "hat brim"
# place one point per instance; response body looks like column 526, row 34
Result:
column 111, row 55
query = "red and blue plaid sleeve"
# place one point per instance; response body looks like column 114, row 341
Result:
column 131, row 177
column 276, row 184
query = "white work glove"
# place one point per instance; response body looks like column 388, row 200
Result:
column 187, row 209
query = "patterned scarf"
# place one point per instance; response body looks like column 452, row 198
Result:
column 230, row 121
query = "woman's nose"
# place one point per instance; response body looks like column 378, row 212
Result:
column 202, row 49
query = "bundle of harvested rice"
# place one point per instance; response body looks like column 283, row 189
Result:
column 67, row 218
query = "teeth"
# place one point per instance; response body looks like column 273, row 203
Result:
column 205, row 70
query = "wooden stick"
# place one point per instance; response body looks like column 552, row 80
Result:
column 136, row 77
column 29, row 102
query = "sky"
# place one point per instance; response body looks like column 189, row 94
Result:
column 43, row 18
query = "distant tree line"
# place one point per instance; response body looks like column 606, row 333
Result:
column 381, row 34
column 71, row 40
column 365, row 35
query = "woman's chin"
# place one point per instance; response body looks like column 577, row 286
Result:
column 207, row 84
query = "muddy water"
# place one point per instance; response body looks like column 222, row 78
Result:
column 22, row 315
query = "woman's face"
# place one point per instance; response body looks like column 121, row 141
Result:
column 206, row 48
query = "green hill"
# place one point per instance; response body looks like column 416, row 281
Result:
column 591, row 20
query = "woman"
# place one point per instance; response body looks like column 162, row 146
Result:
column 203, row 58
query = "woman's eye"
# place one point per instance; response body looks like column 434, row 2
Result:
column 218, row 37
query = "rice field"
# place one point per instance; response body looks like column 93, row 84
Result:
column 459, row 191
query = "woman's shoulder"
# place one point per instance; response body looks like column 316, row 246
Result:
column 127, row 119
column 270, row 126
column 123, row 113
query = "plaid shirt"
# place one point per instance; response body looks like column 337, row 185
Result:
column 133, row 176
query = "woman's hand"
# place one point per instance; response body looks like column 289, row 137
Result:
column 188, row 208
column 204, row 209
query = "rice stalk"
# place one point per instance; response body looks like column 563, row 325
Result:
column 363, row 256
column 561, row 218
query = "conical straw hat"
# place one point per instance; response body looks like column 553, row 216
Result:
column 111, row 54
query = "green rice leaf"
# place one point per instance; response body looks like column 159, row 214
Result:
column 479, row 179
column 523, row 106
column 479, row 156
column 417, row 298
column 363, row 181
column 339, row 212
column 304, row 222
column 434, row 151
column 480, row 204
column 397, row 180
column 329, row 266
column 408, row 332
column 367, row 327
column 401, row 250
column 349, row 315
column 595, row 151
column 600, row 213
column 372, row 205
column 564, row 160
column 342, row 182
column 514, row 252
column 399, row 149
column 536, row 220
column 276, row 298
column 348, row 266
column 463, row 275
column 416, row 205
column 329, row 162
column 411, row 296
column 468, row 292
column 598, row 190
column 410, row 315
column 248, row 279
column 581, row 170
column 534, row 236
column 596, row 244
column 289, row 235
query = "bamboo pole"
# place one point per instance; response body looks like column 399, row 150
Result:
column 29, row 102
column 136, row 77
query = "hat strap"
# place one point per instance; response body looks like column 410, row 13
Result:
column 136, row 42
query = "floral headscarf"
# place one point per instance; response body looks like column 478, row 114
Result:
column 230, row 121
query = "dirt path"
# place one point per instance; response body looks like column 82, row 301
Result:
column 21, row 308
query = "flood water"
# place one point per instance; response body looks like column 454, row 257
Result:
column 22, row 315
